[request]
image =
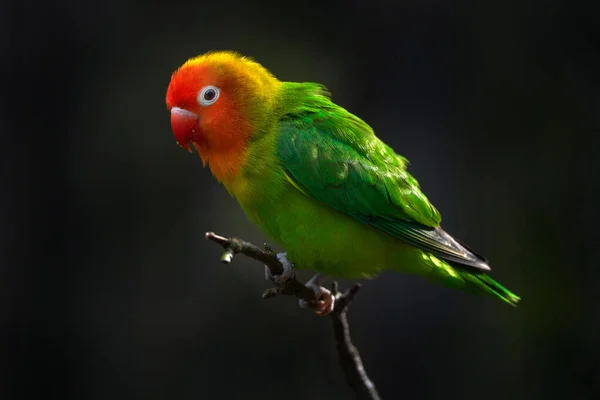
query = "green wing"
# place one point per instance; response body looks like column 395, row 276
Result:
column 334, row 157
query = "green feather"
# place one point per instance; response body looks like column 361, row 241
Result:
column 342, row 202
column 335, row 158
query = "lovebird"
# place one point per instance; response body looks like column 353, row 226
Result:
column 315, row 178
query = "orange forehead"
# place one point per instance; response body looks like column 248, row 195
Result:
column 187, row 82
column 224, row 69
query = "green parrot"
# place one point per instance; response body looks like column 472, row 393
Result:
column 315, row 178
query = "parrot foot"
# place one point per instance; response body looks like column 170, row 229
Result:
column 288, row 271
column 325, row 299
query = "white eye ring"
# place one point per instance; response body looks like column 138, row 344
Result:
column 208, row 95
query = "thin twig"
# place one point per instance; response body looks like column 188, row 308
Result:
column 348, row 355
column 268, row 257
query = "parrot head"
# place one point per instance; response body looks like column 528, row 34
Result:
column 218, row 101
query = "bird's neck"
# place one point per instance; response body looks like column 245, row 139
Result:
column 225, row 165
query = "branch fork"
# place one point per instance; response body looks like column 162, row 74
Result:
column 349, row 357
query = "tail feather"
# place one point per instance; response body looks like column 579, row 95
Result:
column 466, row 278
column 490, row 286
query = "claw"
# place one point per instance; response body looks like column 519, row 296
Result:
column 287, row 274
column 325, row 302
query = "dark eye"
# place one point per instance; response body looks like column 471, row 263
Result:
column 208, row 95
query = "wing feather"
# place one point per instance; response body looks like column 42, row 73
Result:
column 335, row 158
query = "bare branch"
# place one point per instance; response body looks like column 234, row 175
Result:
column 268, row 257
column 348, row 355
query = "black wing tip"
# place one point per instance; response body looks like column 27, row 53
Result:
column 481, row 258
column 467, row 263
column 484, row 266
column 479, row 261
column 472, row 259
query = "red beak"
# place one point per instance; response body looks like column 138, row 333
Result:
column 184, row 125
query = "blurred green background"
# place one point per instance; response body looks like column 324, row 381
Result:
column 109, row 290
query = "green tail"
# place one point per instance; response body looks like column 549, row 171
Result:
column 457, row 277
column 490, row 286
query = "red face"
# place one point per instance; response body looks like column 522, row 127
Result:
column 204, row 111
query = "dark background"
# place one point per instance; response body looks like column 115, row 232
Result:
column 109, row 291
